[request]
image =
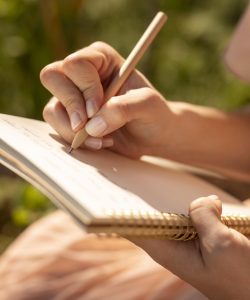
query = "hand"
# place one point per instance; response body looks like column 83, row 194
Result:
column 217, row 264
column 137, row 121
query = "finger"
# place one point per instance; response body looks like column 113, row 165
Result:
column 98, row 143
column 55, row 114
column 111, row 65
column 65, row 90
column 205, row 214
column 120, row 110
column 79, row 68
column 89, row 68
column 107, row 142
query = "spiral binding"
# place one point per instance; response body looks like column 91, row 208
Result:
column 159, row 225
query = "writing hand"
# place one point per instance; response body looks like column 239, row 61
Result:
column 135, row 122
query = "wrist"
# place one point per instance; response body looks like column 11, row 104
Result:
column 173, row 135
column 208, row 138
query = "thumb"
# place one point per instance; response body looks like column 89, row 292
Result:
column 205, row 213
column 119, row 110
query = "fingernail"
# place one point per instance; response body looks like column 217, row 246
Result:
column 91, row 107
column 96, row 126
column 213, row 197
column 107, row 142
column 93, row 143
column 75, row 120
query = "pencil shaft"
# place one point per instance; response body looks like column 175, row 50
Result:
column 135, row 55
column 127, row 67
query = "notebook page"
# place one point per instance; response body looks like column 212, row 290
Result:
column 82, row 181
column 102, row 180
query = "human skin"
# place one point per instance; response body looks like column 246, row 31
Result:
column 139, row 121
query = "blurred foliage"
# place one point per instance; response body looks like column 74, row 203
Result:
column 184, row 63
column 20, row 205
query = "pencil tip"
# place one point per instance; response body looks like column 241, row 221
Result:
column 70, row 150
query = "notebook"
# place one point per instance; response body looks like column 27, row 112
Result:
column 103, row 191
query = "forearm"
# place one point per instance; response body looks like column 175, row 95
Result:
column 211, row 139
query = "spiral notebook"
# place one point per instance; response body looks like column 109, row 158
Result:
column 105, row 192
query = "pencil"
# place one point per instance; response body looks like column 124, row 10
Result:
column 126, row 69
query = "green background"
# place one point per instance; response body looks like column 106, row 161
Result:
column 185, row 62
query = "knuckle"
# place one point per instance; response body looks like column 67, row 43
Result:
column 149, row 92
column 100, row 45
column 221, row 243
column 200, row 204
column 105, row 49
column 76, row 61
column 48, row 72
column 197, row 204
column 152, row 101
column 149, row 95
column 122, row 109
column 144, row 94
column 71, row 62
